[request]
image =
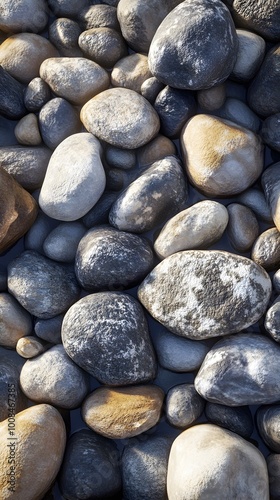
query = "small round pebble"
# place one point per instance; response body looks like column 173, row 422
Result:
column 29, row 347
column 254, row 198
column 150, row 88
column 266, row 249
column 105, row 46
column 268, row 425
column 183, row 405
column 238, row 419
column 64, row 34
column 174, row 107
column 250, row 53
column 27, row 131
column 130, row 72
column 62, row 242
column 238, row 112
column 57, row 120
column 155, row 150
column 243, row 227
column 37, row 93
column 272, row 320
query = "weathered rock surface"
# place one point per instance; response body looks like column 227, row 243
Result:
column 49, row 329
column 12, row 400
column 30, row 346
column 11, row 96
column 238, row 112
column 150, row 88
column 254, row 198
column 251, row 51
column 174, row 107
column 23, row 15
column 266, row 249
column 99, row 16
column 130, row 72
column 261, row 17
column 64, row 34
column 156, row 150
column 272, row 318
column 213, row 98
column 103, row 45
column 27, row 130
column 67, row 8
column 270, row 131
column 27, row 164
column 15, row 322
column 62, row 242
column 183, row 405
column 36, row 94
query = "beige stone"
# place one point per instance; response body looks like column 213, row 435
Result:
column 155, row 150
column 124, row 412
column 130, row 72
column 27, row 131
column 15, row 321
column 38, row 445
column 213, row 98
column 29, row 347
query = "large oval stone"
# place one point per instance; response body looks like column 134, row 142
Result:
column 206, row 293
column 23, row 15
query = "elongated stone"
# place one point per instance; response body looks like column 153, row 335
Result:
column 271, row 187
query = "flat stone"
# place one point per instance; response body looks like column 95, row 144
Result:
column 121, row 117
column 12, row 399
column 241, row 370
column 62, row 242
column 74, row 165
column 174, row 107
column 99, row 16
column 103, row 45
column 183, row 405
column 237, row 419
column 124, row 412
column 49, row 329
column 43, row 287
column 30, row 346
column 64, row 34
column 58, row 119
column 107, row 335
column 262, row 18
column 267, row 419
column 27, row 131
column 27, row 164
column 271, row 186
column 266, row 249
column 272, row 319
column 130, row 72
column 23, row 15
column 201, row 294
column 243, row 227
column 250, row 54
column 155, row 150
column 15, row 323
column 36, row 94
column 270, row 131
column 11, row 96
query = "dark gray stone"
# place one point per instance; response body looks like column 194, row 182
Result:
column 266, row 249
column 27, row 164
column 91, row 467
column 238, row 420
column 49, row 329
column 43, row 287
column 150, row 88
column 272, row 320
column 271, row 185
column 174, row 107
column 108, row 259
column 12, row 399
column 35, row 237
column 99, row 16
column 23, row 16
column 64, row 34
column 255, row 199
column 57, row 120
column 3, row 278
column 238, row 112
column 183, row 52
column 62, row 242
column 183, row 405
column 11, row 96
column 67, row 8
column 100, row 212
column 7, row 132
column 268, row 424
column 120, row 158
column 36, row 94
column 105, row 46
column 270, row 131
column 107, row 335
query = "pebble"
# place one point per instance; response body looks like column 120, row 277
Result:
column 36, row 94
column 210, row 462
column 224, row 159
column 157, row 194
column 18, row 210
column 67, row 8
column 150, row 88
column 13, row 400
column 11, row 96
column 39, row 449
column 23, row 15
column 91, row 467
column 273, row 467
column 43, row 287
column 107, row 335
column 27, row 131
column 235, row 371
column 103, row 45
column 177, row 59
column 131, row 72
column 35, row 237
column 62, row 242
column 120, row 158
column 49, row 329
column 99, row 214
column 263, row 21
column 64, row 34
column 99, row 16
column 267, row 419
column 270, row 131
column 174, row 107
column 199, row 226
column 109, row 259
column 121, row 117
column 155, row 150
column 58, row 119
column 15, row 323
column 238, row 112
column 254, row 198
column 27, row 164
column 272, row 319
column 271, row 185
column 124, row 412
column 250, row 54
column 238, row 419
column 77, row 160
column 276, row 281
column 213, row 98
column 183, row 405
column 52, row 377
column 30, row 346
column 243, row 227
column 201, row 294
column 76, row 79
column 266, row 249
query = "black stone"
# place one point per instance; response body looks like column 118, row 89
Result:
column 238, row 419
column 174, row 107
column 100, row 212
column 11, row 96
column 270, row 131
column 58, row 119
column 36, row 94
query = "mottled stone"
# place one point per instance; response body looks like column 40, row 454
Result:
column 243, row 227
column 67, row 8
column 266, row 249
column 254, row 198
column 261, row 16
column 121, row 117
column 74, row 166
column 49, row 329
column 36, row 94
column 174, row 107
column 224, row 159
column 183, row 405
column 213, row 98
column 23, row 15
column 12, row 400
column 150, row 88
column 124, row 412
column 30, row 346
column 58, row 119
column 130, row 72
column 250, row 53
column 270, row 131
column 238, row 419
column 43, row 287
column 272, row 318
column 105, row 46
column 120, row 158
column 27, row 164
column 64, row 34
column 62, row 242
column 99, row 214
column 206, row 293
column 99, row 16
column 241, row 370
column 76, row 79
column 27, row 131
column 11, row 96
column 209, row 462
column 238, row 112
column 271, row 186
column 268, row 425
column 199, row 226
column 15, row 321
column 273, row 467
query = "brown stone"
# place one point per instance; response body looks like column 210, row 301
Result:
column 124, row 412
column 155, row 150
column 18, row 210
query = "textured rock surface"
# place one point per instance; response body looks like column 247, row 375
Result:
column 174, row 107
column 49, row 329
column 213, row 98
column 255, row 199
column 183, row 405
column 11, row 96
column 273, row 467
column 15, row 321
column 103, row 45
column 64, row 34
column 261, row 16
column 266, row 249
column 30, row 346
column 26, row 164
column 62, row 242
column 251, row 50
column 27, row 131
column 36, row 94
column 23, row 15
column 155, row 150
column 272, row 317
column 238, row 112
column 270, row 131
column 99, row 16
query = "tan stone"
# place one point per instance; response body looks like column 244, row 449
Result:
column 39, row 444
column 130, row 72
column 158, row 148
column 18, row 210
column 29, row 347
column 124, row 412
column 27, row 131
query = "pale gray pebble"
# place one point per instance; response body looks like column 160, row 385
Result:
column 64, row 34
column 273, row 468
column 52, row 377
column 57, row 120
column 67, row 8
column 272, row 320
column 99, row 214
column 183, row 405
column 105, row 46
column 62, row 242
column 268, row 425
column 254, row 198
column 30, row 346
column 238, row 112
column 37, row 93
column 35, row 237
column 99, row 16
column 270, row 131
column 150, row 88
column 49, row 329
column 276, row 281
column 243, row 227
column 238, row 419
column 120, row 158
column 250, row 53
column 266, row 249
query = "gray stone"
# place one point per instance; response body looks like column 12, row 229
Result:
column 107, row 335
column 30, row 346
column 15, row 321
column 272, row 319
column 238, row 112
column 120, row 158
column 157, row 194
column 201, row 294
column 49, row 329
column 105, row 46
column 254, row 198
column 155, row 150
column 62, row 242
column 99, row 214
column 67, row 8
column 35, row 237
column 121, row 117
column 12, row 399
column 213, row 98
column 270, row 131
column 109, row 259
column 7, row 132
column 183, row 405
column 27, row 130
column 250, row 54
column 276, row 281
column 243, row 227
column 131, row 72
column 23, row 15
column 273, row 467
column 64, row 34
column 11, row 96
column 271, row 186
column 241, row 370
column 235, row 419
column 183, row 52
column 150, row 88
column 43, row 287
column 174, row 107
column 266, row 249
column 36, row 94
column 99, row 16
column 27, row 164
column 268, row 425
column 58, row 119
column 261, row 17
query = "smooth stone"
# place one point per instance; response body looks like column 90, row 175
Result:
column 11, row 96
column 35, row 237
column 235, row 371
column 74, row 165
column 243, row 227
column 99, row 16
column 43, row 287
column 268, row 425
column 67, row 8
column 27, row 164
column 52, row 377
column 271, row 185
column 224, row 159
column 150, row 88
column 91, row 467
column 18, row 210
column 183, row 405
column 12, row 399
column 209, row 462
column 27, row 131
column 199, row 226
column 272, row 319
column 262, row 18
column 49, row 329
column 121, row 117
column 266, row 249
column 238, row 419
column 201, row 294
column 105, row 46
column 76, row 79
column 213, row 98
column 263, row 96
column 178, row 60
column 22, row 54
column 62, row 242
column 250, row 54
column 157, row 194
column 107, row 335
column 30, row 346
column 58, row 119
column 270, row 131
column 36, row 94
column 64, row 34
column 273, row 467
column 23, row 15
column 15, row 322
column 156, row 150
column 254, row 198
column 124, row 412
column 131, row 72
column 120, row 158
column 238, row 112
column 40, row 445
column 276, row 281
column 174, row 107
column 178, row 354
column 99, row 214
column 144, row 468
